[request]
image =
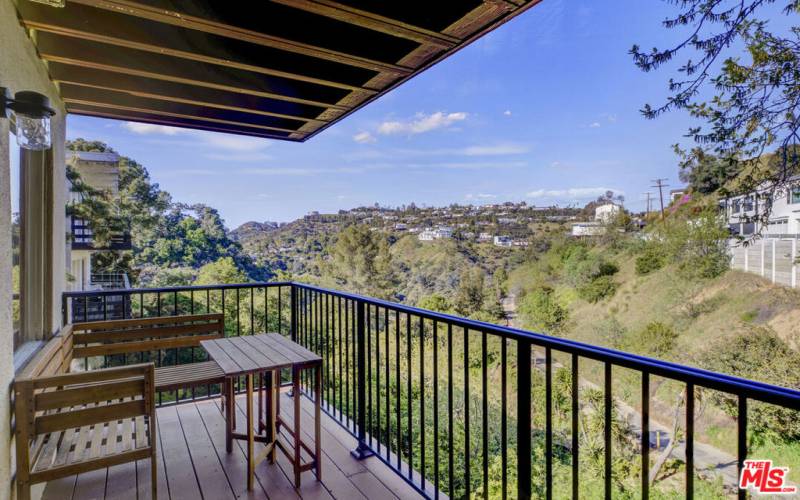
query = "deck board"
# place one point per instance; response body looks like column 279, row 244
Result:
column 193, row 463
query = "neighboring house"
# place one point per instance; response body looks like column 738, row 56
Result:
column 607, row 212
column 442, row 232
column 502, row 241
column 101, row 172
column 400, row 226
column 593, row 228
column 784, row 218
column 677, row 194
column 484, row 237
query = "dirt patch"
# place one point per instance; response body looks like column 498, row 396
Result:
column 786, row 325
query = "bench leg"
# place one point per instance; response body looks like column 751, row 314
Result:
column 273, row 410
column 251, row 465
column 260, row 426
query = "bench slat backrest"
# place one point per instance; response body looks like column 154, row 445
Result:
column 54, row 357
column 67, row 401
column 105, row 338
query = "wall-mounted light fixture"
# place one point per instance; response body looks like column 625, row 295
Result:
column 33, row 113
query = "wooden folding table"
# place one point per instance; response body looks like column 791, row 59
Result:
column 251, row 355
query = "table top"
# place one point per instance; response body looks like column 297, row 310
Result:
column 258, row 353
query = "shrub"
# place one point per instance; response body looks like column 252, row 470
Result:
column 611, row 331
column 582, row 268
column 541, row 310
column 758, row 355
column 651, row 259
column 598, row 289
column 657, row 338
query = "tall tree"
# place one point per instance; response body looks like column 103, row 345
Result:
column 756, row 90
column 360, row 262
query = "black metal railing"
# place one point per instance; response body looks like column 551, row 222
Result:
column 465, row 408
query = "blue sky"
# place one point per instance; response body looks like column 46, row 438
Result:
column 545, row 109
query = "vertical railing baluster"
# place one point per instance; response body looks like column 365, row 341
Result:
column 689, row 441
column 485, row 412
column 422, row 401
column 646, row 435
column 410, row 408
column 504, row 413
column 451, row 452
column 467, row 444
column 362, row 450
column 548, row 422
column 399, row 384
column 524, row 487
column 339, row 384
column 377, row 382
column 347, row 359
column 435, row 410
column 607, row 438
column 741, row 439
column 368, row 377
column 388, row 384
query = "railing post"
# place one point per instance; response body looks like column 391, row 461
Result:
column 292, row 313
column 524, row 490
column 362, row 451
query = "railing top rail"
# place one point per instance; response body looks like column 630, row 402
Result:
column 704, row 378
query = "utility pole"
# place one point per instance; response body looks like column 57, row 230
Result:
column 647, row 194
column 660, row 184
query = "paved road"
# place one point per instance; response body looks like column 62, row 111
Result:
column 707, row 458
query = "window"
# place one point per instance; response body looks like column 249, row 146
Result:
column 748, row 204
column 737, row 206
column 794, row 194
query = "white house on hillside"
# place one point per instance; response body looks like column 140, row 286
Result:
column 607, row 212
column 784, row 217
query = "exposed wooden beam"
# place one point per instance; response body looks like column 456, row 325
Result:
column 111, row 28
column 126, row 102
column 134, row 8
column 358, row 17
column 126, row 61
column 167, row 91
column 87, row 110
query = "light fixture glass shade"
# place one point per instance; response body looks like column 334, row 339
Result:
column 33, row 133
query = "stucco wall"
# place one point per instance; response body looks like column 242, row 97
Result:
column 20, row 69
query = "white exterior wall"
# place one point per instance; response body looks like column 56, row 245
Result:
column 21, row 69
column 784, row 218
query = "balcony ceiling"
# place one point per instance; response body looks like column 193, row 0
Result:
column 281, row 69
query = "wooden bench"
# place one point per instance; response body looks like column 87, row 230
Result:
column 69, row 423
column 73, row 422
column 131, row 336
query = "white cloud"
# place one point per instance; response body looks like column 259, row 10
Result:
column 470, row 165
column 507, row 112
column 364, row 138
column 495, row 150
column 594, row 125
column 572, row 193
column 481, row 196
column 150, row 128
column 217, row 140
column 421, row 123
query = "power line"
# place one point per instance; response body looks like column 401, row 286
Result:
column 660, row 184
column 649, row 207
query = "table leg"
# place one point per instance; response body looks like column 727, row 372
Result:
column 230, row 404
column 260, row 426
column 273, row 411
column 296, row 398
column 317, row 413
column 250, row 436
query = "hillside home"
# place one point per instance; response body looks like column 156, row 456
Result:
column 502, row 241
column 784, row 217
column 606, row 212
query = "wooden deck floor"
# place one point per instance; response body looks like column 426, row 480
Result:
column 193, row 464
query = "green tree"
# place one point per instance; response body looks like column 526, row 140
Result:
column 361, row 262
column 470, row 293
column 221, row 271
column 541, row 310
column 732, row 53
column 435, row 302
